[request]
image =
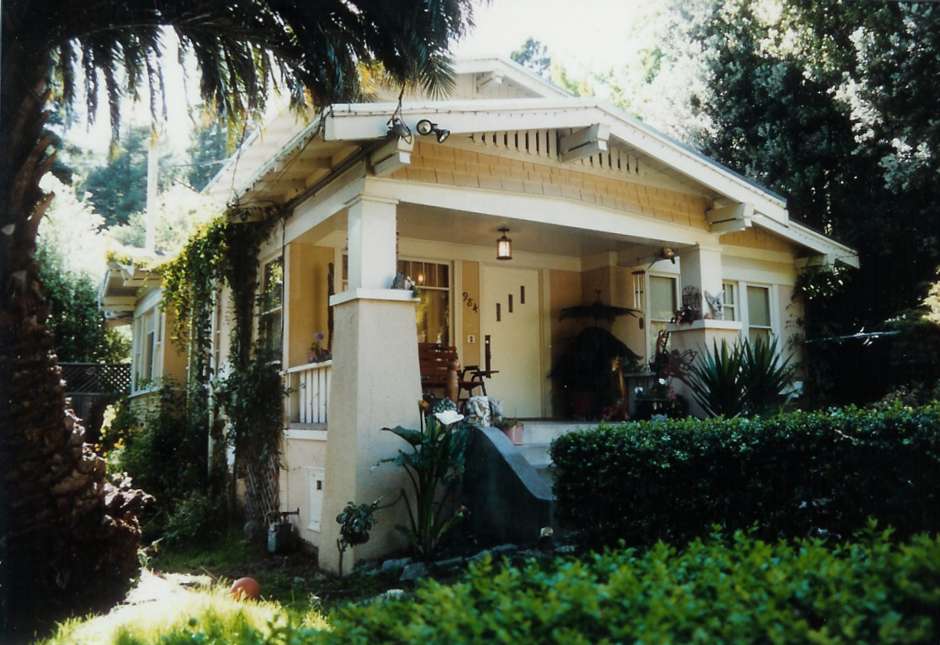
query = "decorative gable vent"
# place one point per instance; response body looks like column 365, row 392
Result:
column 544, row 145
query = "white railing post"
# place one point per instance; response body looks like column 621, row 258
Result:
column 310, row 392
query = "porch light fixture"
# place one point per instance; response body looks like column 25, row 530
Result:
column 503, row 245
column 398, row 128
column 425, row 127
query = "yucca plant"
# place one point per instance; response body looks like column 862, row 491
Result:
column 716, row 380
column 765, row 375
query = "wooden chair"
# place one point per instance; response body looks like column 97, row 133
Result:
column 440, row 370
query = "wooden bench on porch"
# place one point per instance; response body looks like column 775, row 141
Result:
column 441, row 371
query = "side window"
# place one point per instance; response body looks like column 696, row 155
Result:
column 271, row 327
column 758, row 313
column 730, row 309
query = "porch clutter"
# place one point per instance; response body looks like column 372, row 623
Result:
column 441, row 373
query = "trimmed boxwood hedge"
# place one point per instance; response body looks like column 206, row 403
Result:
column 710, row 592
column 795, row 474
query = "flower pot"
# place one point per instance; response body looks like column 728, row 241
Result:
column 514, row 433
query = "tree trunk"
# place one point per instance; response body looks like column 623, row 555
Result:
column 70, row 536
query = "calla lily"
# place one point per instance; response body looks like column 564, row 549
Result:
column 448, row 417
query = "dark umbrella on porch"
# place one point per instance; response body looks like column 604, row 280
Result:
column 597, row 311
column 584, row 369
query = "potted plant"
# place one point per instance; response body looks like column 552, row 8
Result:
column 512, row 428
column 318, row 353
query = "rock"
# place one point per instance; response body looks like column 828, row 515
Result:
column 393, row 594
column 479, row 556
column 449, row 563
column 413, row 572
column 394, row 566
column 503, row 549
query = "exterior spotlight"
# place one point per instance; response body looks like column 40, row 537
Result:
column 426, row 127
column 503, row 245
column 398, row 128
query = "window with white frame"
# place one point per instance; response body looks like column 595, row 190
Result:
column 729, row 300
column 758, row 313
column 663, row 301
column 271, row 324
column 148, row 342
column 432, row 280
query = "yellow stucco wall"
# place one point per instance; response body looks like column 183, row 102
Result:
column 301, row 459
column 458, row 167
column 469, row 300
column 307, row 298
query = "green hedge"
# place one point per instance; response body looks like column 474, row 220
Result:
column 796, row 474
column 710, row 592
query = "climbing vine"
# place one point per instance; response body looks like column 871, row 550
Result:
column 225, row 253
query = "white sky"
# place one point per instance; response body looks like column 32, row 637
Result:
column 583, row 36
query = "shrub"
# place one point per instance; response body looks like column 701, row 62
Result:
column 794, row 474
column 195, row 518
column 742, row 591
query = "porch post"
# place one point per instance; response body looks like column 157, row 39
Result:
column 700, row 267
column 375, row 384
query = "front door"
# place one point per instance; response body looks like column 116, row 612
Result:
column 510, row 325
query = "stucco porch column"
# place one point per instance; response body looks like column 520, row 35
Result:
column 700, row 267
column 375, row 383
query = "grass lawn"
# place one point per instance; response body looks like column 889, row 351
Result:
column 160, row 608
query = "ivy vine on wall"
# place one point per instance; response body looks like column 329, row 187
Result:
column 225, row 253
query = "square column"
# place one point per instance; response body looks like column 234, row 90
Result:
column 371, row 230
column 700, row 267
column 375, row 383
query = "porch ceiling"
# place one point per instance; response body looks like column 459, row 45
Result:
column 462, row 227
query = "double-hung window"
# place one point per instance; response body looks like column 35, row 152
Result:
column 729, row 300
column 271, row 325
column 432, row 314
column 758, row 313
column 432, row 281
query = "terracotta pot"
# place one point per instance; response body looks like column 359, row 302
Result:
column 514, row 433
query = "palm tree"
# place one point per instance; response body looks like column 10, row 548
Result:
column 69, row 536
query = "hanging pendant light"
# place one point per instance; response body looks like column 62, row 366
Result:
column 503, row 245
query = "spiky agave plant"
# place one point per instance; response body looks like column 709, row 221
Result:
column 715, row 379
column 766, row 376
column 67, row 537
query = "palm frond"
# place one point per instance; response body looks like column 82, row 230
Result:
column 246, row 50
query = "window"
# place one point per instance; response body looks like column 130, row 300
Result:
column 433, row 311
column 730, row 308
column 663, row 292
column 271, row 325
column 432, row 315
column 758, row 313
column 148, row 340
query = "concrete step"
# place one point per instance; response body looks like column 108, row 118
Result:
column 538, row 431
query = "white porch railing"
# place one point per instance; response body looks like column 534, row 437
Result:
column 309, row 392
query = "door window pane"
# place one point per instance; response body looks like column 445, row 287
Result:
column 662, row 298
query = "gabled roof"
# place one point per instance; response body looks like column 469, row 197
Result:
column 344, row 130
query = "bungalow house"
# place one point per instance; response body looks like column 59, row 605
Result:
column 130, row 294
column 505, row 203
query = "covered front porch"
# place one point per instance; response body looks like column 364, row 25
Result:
column 350, row 343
